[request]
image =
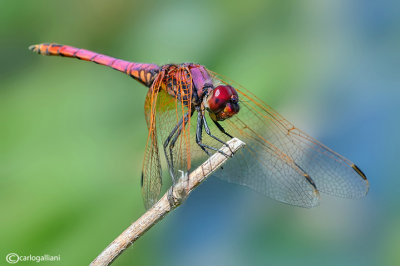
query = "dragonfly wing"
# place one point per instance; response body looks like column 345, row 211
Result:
column 333, row 174
column 259, row 123
column 165, row 119
column 151, row 179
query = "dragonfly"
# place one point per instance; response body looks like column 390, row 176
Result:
column 191, row 110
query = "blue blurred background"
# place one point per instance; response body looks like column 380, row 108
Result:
column 72, row 133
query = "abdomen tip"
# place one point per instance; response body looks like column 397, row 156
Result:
column 33, row 47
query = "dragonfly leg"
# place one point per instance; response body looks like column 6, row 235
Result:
column 207, row 129
column 170, row 163
column 199, row 132
column 170, row 143
column 222, row 129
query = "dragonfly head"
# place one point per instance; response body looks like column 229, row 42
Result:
column 222, row 102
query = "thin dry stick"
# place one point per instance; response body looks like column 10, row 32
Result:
column 171, row 199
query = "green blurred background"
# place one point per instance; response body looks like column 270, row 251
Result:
column 72, row 133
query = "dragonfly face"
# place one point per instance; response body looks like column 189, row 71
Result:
column 222, row 102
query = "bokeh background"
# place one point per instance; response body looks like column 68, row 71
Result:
column 72, row 133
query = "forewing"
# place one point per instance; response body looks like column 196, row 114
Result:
column 260, row 125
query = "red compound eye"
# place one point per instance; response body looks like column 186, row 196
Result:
column 223, row 102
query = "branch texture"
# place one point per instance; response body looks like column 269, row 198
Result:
column 169, row 201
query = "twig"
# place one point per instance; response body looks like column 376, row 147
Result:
column 171, row 199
